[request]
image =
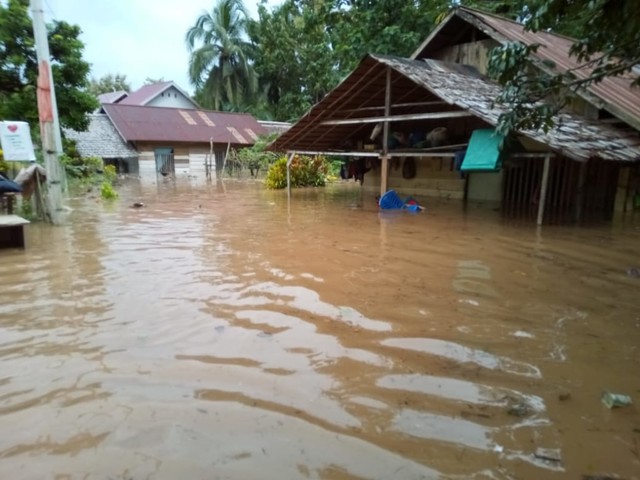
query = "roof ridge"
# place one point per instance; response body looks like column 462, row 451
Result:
column 130, row 105
column 473, row 11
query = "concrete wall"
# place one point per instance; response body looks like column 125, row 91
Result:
column 172, row 98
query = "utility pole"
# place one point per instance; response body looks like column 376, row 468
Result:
column 48, row 113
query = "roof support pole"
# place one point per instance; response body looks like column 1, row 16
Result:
column 582, row 177
column 289, row 160
column 543, row 188
column 384, row 171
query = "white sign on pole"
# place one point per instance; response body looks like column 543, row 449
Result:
column 15, row 138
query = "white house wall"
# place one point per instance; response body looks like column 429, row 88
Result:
column 171, row 98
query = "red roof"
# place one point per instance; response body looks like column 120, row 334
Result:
column 617, row 92
column 138, row 124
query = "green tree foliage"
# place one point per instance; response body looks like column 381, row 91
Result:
column 219, row 64
column 380, row 26
column 305, row 47
column 607, row 43
column 109, row 83
column 295, row 56
column 151, row 81
column 18, row 68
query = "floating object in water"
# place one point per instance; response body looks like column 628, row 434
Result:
column 633, row 272
column 548, row 455
column 615, row 400
column 137, row 205
column 391, row 201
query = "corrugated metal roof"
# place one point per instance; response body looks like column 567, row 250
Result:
column 613, row 92
column 146, row 93
column 275, row 127
column 137, row 124
column 101, row 140
column 460, row 88
column 112, row 97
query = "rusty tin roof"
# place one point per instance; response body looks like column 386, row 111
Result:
column 461, row 89
column 614, row 94
column 139, row 124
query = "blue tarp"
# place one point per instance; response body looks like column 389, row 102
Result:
column 483, row 153
column 8, row 186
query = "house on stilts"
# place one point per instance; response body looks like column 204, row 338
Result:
column 425, row 126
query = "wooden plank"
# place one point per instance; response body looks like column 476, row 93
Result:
column 333, row 153
column 397, row 105
column 397, row 118
column 543, row 189
column 12, row 221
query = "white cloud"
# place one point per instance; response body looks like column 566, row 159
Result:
column 137, row 38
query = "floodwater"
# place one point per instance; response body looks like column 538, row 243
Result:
column 222, row 332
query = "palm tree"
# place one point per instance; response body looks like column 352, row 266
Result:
column 219, row 65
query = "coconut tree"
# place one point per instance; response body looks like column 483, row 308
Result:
column 219, row 65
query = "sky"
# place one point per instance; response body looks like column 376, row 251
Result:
column 137, row 38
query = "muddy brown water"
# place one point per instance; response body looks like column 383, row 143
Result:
column 223, row 332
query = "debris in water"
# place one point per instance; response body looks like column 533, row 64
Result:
column 564, row 395
column 519, row 410
column 498, row 449
column 615, row 400
column 633, row 272
column 548, row 454
column 522, row 334
column 137, row 205
column 601, row 477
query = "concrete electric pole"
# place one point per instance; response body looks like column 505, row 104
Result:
column 48, row 113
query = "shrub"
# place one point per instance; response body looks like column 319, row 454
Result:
column 107, row 192
column 305, row 172
column 255, row 157
column 110, row 173
column 80, row 167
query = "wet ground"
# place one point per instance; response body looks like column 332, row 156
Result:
column 221, row 332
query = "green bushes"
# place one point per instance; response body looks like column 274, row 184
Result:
column 77, row 167
column 106, row 190
column 305, row 172
column 253, row 158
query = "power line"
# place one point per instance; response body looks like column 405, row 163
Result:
column 50, row 10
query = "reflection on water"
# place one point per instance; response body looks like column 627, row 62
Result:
column 221, row 332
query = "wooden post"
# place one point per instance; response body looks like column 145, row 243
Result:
column 582, row 177
column 543, row 188
column 627, row 189
column 289, row 160
column 384, row 175
column 384, row 171
column 224, row 162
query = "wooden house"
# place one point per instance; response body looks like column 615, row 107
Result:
column 160, row 129
column 179, row 140
column 581, row 169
